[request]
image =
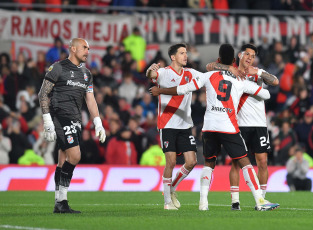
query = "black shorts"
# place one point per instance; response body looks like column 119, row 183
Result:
column 234, row 145
column 68, row 132
column 257, row 139
column 177, row 140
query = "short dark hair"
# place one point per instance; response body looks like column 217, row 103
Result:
column 226, row 54
column 173, row 49
column 249, row 46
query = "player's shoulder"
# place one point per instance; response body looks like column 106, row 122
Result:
column 55, row 67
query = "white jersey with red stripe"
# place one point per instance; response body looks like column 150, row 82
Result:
column 223, row 92
column 174, row 111
column 251, row 110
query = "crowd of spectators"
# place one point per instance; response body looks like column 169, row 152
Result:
column 99, row 5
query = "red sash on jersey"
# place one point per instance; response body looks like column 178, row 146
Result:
column 173, row 104
column 215, row 79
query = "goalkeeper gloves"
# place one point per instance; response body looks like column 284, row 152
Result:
column 49, row 130
column 100, row 131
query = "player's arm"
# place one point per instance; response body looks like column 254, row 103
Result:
column 255, row 90
column 194, row 85
column 215, row 66
column 94, row 113
column 44, row 101
column 268, row 78
column 152, row 71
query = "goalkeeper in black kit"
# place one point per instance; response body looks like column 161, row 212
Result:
column 66, row 84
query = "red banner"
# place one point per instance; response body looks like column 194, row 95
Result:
column 125, row 178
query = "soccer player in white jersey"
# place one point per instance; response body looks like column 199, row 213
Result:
column 223, row 92
column 174, row 121
column 251, row 121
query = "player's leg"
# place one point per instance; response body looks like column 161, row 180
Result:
column 237, row 150
column 190, row 162
column 254, row 185
column 234, row 179
column 57, row 174
column 170, row 158
column 68, row 139
column 211, row 146
column 73, row 156
column 261, row 148
column 168, row 144
column 261, row 160
column 186, row 144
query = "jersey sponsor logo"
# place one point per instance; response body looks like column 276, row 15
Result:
column 70, row 139
column 166, row 144
column 76, row 83
column 221, row 109
column 228, row 73
column 85, row 77
column 72, row 73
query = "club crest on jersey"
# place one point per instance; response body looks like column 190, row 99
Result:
column 72, row 73
column 50, row 68
column 166, row 144
column 85, row 77
column 70, row 139
column 187, row 79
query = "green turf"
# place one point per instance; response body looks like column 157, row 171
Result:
column 144, row 210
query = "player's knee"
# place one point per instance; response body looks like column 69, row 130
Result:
column 171, row 164
column 191, row 163
column 262, row 163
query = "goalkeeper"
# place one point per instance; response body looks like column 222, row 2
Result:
column 66, row 84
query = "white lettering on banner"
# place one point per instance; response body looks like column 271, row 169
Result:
column 227, row 29
column 189, row 32
column 10, row 173
column 161, row 22
column 174, row 28
column 259, row 29
column 296, row 26
column 206, row 22
column 131, row 179
column 273, row 30
column 243, row 35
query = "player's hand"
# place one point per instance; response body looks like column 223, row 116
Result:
column 49, row 129
column 153, row 68
column 239, row 74
column 100, row 131
column 251, row 70
column 154, row 91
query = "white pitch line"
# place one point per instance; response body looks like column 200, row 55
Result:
column 195, row 204
column 26, row 228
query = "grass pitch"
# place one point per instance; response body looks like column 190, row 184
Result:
column 144, row 210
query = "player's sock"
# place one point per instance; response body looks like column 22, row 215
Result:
column 180, row 175
column 253, row 183
column 65, row 179
column 234, row 192
column 263, row 188
column 205, row 182
column 167, row 190
column 57, row 174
